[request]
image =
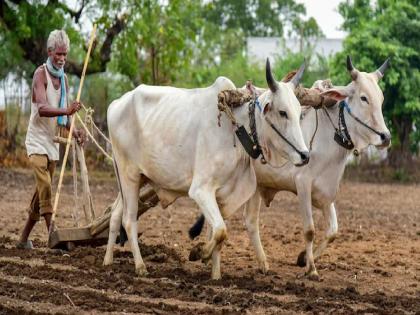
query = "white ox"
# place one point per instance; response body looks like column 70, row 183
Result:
column 316, row 184
column 170, row 138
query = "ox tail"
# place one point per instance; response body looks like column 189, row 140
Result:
column 123, row 234
column 196, row 229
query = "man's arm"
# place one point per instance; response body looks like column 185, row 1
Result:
column 78, row 134
column 39, row 97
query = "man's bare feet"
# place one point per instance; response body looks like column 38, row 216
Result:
column 25, row 245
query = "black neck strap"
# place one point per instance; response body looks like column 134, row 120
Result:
column 253, row 127
column 342, row 136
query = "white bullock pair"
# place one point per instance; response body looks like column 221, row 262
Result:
column 170, row 138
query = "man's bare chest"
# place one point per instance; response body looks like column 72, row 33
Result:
column 55, row 82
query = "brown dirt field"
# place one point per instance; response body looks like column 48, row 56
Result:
column 373, row 267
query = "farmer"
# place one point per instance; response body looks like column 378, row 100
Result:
column 49, row 116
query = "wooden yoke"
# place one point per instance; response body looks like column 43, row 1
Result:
column 310, row 97
column 307, row 97
column 313, row 98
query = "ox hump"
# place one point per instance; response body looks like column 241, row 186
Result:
column 223, row 83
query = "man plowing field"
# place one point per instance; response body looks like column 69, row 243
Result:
column 49, row 111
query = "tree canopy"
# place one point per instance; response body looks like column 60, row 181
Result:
column 150, row 41
column 179, row 42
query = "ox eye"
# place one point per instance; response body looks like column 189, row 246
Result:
column 283, row 113
column 364, row 99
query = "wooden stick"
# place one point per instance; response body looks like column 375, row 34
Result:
column 76, row 204
column 60, row 181
column 87, row 197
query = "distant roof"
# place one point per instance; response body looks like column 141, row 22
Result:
column 260, row 48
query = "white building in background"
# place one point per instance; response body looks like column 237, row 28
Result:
column 259, row 48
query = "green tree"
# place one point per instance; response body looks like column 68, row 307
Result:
column 254, row 17
column 24, row 29
column 159, row 40
column 377, row 30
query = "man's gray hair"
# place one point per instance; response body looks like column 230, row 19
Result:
column 58, row 38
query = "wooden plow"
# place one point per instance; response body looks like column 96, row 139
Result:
column 96, row 232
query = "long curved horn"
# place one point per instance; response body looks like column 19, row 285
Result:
column 381, row 70
column 272, row 84
column 353, row 71
column 298, row 76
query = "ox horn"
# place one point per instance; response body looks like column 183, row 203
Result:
column 298, row 76
column 353, row 71
column 381, row 70
column 272, row 84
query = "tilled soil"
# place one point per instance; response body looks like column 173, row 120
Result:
column 372, row 267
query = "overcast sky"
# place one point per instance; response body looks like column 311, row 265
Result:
column 324, row 11
column 326, row 14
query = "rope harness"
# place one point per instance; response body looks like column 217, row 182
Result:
column 234, row 98
column 316, row 129
column 341, row 135
column 89, row 122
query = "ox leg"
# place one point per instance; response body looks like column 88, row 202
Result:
column 130, row 185
column 305, row 200
column 215, row 257
column 331, row 230
column 114, row 228
column 252, row 214
column 207, row 202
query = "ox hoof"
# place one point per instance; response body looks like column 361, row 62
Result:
column 216, row 276
column 264, row 268
column 196, row 252
column 108, row 261
column 313, row 276
column 141, row 271
column 301, row 260
column 205, row 259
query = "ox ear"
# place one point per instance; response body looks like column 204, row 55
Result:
column 267, row 107
column 337, row 93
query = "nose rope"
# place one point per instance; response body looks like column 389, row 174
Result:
column 302, row 155
column 252, row 105
column 347, row 107
column 342, row 136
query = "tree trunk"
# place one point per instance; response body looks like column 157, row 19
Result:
column 3, row 124
column 153, row 56
column 400, row 154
